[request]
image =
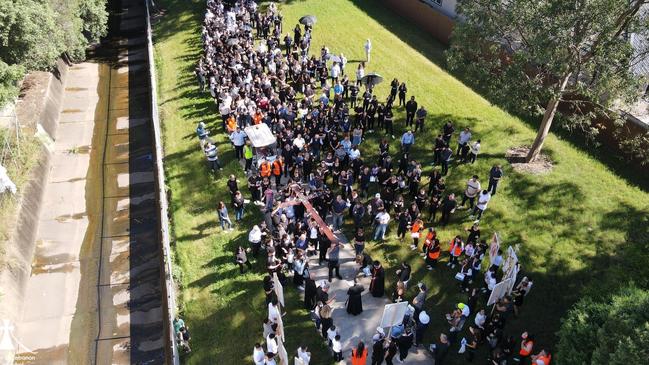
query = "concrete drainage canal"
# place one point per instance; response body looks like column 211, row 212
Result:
column 95, row 294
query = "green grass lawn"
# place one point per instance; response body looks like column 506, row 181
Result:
column 581, row 229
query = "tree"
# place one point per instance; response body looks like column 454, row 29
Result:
column 612, row 332
column 9, row 78
column 35, row 33
column 575, row 53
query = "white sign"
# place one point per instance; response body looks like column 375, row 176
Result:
column 279, row 289
column 281, row 351
column 500, row 290
column 393, row 314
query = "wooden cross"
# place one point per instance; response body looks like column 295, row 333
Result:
column 304, row 200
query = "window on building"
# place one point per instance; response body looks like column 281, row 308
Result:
column 433, row 2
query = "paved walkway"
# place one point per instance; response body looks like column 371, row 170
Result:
column 363, row 326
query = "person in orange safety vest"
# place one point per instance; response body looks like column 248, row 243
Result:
column 278, row 165
column 264, row 169
column 455, row 249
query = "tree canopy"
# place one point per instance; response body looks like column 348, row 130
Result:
column 614, row 332
column 34, row 33
column 528, row 54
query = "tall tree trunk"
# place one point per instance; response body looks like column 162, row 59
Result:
column 548, row 118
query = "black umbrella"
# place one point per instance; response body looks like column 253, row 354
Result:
column 308, row 20
column 372, row 79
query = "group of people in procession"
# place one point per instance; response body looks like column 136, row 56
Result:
column 258, row 73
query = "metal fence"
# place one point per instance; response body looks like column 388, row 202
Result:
column 169, row 287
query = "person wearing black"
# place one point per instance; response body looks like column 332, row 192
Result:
column 288, row 43
column 242, row 259
column 268, row 289
column 354, row 301
column 411, row 109
column 334, row 263
column 404, row 342
column 394, row 86
column 377, row 285
column 378, row 352
column 495, row 175
column 387, row 122
column 445, row 159
column 421, row 118
column 391, row 351
column 448, row 207
column 437, row 152
column 447, row 132
column 402, row 94
column 324, row 245
column 310, row 292
column 441, row 349
column 403, row 274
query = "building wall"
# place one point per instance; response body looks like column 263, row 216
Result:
column 436, row 20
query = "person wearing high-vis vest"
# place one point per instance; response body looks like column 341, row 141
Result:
column 264, row 169
column 455, row 250
column 525, row 351
column 278, row 166
column 542, row 358
column 247, row 155
column 432, row 254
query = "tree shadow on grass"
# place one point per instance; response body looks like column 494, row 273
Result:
column 423, row 43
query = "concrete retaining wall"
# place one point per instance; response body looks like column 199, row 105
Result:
column 426, row 17
column 16, row 268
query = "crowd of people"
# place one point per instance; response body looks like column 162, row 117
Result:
column 321, row 112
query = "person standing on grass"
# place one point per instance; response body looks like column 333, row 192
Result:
column 463, row 140
column 471, row 191
column 368, row 49
column 421, row 118
column 440, row 349
column 304, row 354
column 420, row 329
column 473, row 153
column 481, row 205
column 411, row 109
column 448, row 207
column 407, row 140
column 224, row 219
column 258, row 355
column 212, row 157
column 403, row 90
column 238, row 139
column 382, row 219
column 445, row 156
column 238, row 201
column 360, row 72
column 242, row 259
column 432, row 254
column 338, row 210
column 495, row 175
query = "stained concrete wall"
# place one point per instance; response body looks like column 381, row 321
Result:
column 425, row 16
column 16, row 268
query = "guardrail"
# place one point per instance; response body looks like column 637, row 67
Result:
column 169, row 287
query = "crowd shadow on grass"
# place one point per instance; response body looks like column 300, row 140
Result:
column 423, row 43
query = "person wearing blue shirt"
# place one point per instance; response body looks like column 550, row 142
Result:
column 202, row 133
column 407, row 140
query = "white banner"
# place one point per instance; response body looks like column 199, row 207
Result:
column 500, row 290
column 393, row 314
